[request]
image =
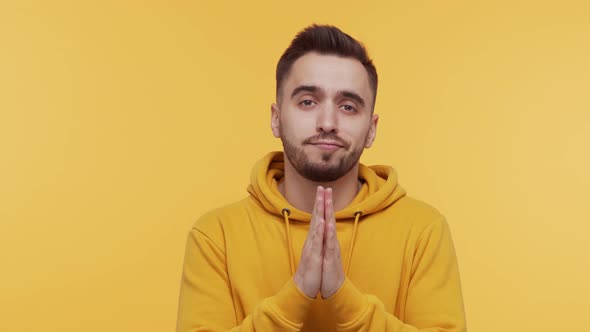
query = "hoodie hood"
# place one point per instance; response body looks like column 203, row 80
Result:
column 379, row 189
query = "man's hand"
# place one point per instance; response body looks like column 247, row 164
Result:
column 308, row 276
column 332, row 271
column 320, row 268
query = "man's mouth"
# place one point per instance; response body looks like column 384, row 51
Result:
column 327, row 145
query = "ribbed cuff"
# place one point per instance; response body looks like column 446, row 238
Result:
column 347, row 303
column 291, row 304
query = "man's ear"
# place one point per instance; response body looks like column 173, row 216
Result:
column 274, row 120
column 372, row 131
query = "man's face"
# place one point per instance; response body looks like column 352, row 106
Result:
column 324, row 116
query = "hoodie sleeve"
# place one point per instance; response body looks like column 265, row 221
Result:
column 206, row 302
column 434, row 302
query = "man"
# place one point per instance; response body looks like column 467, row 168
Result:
column 322, row 243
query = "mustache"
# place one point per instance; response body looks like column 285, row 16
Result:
column 327, row 136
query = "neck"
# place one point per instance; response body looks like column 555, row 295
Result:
column 300, row 192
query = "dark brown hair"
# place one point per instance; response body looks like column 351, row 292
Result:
column 329, row 40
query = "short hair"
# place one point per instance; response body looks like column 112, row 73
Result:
column 327, row 40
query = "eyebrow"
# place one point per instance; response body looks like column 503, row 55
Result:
column 345, row 93
column 354, row 96
column 307, row 88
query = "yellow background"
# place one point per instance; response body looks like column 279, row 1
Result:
column 121, row 122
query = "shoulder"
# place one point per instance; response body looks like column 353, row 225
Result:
column 425, row 225
column 420, row 214
column 212, row 222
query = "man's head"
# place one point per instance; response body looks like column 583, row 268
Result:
column 326, row 88
column 326, row 40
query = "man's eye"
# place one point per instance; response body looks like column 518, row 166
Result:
column 306, row 102
column 349, row 108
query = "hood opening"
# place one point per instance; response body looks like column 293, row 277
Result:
column 379, row 190
column 286, row 212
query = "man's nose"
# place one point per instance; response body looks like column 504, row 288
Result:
column 327, row 119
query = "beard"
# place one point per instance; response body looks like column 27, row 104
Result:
column 328, row 169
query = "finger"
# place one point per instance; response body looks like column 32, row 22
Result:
column 329, row 206
column 317, row 229
column 317, row 212
column 331, row 247
column 319, row 203
column 318, row 241
column 331, row 240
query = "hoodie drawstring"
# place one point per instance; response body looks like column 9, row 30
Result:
column 286, row 213
column 357, row 215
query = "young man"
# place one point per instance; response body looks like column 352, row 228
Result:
column 322, row 243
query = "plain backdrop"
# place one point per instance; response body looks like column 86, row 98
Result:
column 121, row 122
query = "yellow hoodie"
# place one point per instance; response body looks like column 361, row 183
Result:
column 399, row 259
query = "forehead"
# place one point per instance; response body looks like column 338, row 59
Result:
column 329, row 72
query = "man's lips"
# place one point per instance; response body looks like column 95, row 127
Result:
column 328, row 145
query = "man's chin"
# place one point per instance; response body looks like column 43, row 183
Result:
column 324, row 161
column 324, row 157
